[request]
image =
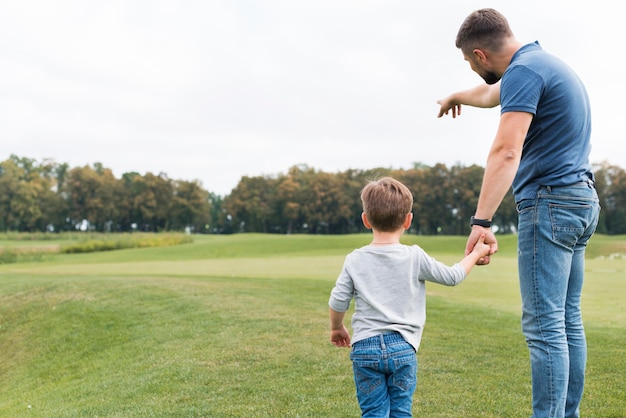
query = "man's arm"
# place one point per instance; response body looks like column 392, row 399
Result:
column 502, row 164
column 483, row 95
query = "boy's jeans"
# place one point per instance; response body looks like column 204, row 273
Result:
column 385, row 375
column 553, row 233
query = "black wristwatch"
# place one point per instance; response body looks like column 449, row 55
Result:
column 481, row 222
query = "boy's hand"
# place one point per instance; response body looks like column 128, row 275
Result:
column 340, row 337
column 481, row 248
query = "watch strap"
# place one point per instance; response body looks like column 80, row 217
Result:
column 480, row 222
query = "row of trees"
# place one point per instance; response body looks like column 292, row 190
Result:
column 48, row 196
column 305, row 200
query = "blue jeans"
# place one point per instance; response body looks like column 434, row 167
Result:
column 385, row 375
column 553, row 232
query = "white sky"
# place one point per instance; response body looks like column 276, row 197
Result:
column 215, row 90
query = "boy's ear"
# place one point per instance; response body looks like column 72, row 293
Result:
column 408, row 220
column 365, row 221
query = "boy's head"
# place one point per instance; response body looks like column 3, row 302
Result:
column 386, row 204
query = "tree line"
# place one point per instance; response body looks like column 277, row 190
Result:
column 54, row 197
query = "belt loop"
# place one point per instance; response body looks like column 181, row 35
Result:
column 382, row 342
column 549, row 188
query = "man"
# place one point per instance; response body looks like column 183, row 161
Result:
column 541, row 148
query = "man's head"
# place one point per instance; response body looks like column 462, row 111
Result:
column 483, row 34
column 386, row 204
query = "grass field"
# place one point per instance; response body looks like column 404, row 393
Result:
column 237, row 326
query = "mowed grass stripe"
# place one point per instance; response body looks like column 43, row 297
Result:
column 494, row 286
column 305, row 267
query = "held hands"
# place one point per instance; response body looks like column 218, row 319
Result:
column 340, row 337
column 483, row 241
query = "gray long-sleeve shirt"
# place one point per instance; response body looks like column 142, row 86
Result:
column 388, row 286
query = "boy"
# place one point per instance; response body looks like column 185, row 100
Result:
column 387, row 281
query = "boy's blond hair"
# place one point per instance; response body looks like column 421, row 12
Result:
column 386, row 203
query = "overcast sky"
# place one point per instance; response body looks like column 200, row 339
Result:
column 217, row 90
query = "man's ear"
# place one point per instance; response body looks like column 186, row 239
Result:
column 408, row 220
column 365, row 221
column 480, row 55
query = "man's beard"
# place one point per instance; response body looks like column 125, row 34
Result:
column 490, row 77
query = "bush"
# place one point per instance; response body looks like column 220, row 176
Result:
column 120, row 242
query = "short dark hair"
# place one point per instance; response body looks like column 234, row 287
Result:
column 386, row 202
column 484, row 28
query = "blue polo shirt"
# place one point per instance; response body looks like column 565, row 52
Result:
column 557, row 146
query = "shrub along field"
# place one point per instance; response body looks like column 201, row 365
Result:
column 237, row 326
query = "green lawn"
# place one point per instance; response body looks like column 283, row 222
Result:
column 236, row 326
